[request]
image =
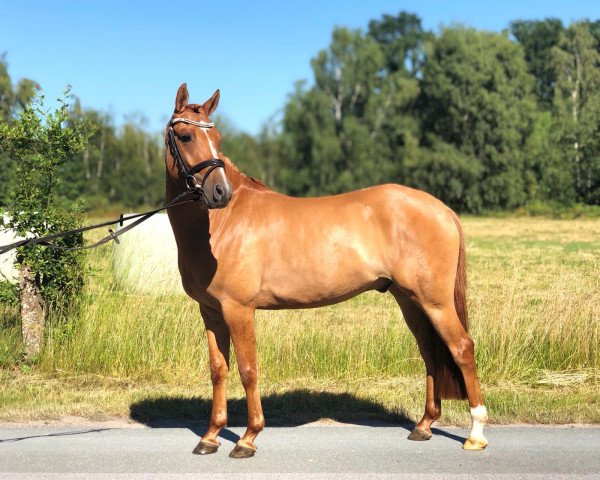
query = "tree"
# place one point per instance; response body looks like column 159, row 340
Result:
column 402, row 39
column 549, row 177
column 40, row 141
column 477, row 96
column 538, row 38
column 83, row 177
column 12, row 100
column 442, row 168
column 577, row 107
column 342, row 133
column 116, row 166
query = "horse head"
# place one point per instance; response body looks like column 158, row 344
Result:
column 192, row 157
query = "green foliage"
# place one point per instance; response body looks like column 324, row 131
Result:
column 348, row 130
column 538, row 37
column 9, row 293
column 463, row 115
column 442, row 168
column 40, row 141
column 115, row 166
column 548, row 176
column 12, row 100
column 480, row 121
column 11, row 346
column 402, row 39
column 559, row 210
column 477, row 96
column 577, row 108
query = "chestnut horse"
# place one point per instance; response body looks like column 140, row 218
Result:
column 245, row 247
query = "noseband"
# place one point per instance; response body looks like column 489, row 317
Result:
column 188, row 173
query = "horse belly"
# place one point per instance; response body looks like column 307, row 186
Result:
column 306, row 274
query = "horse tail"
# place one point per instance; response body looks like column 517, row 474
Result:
column 460, row 284
column 450, row 382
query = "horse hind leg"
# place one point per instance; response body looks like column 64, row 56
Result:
column 448, row 326
column 427, row 341
column 439, row 290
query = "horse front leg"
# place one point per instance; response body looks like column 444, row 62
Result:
column 240, row 320
column 218, row 337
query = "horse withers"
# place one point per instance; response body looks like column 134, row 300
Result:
column 245, row 247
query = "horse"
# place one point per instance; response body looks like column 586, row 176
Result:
column 245, row 247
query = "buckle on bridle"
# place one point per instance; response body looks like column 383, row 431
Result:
column 190, row 183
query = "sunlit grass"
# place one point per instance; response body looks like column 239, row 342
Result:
column 534, row 316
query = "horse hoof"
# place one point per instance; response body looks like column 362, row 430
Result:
column 419, row 435
column 243, row 450
column 475, row 444
column 205, row 448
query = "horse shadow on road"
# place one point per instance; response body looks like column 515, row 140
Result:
column 287, row 409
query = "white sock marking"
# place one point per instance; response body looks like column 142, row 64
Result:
column 478, row 418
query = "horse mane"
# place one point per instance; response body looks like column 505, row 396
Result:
column 246, row 180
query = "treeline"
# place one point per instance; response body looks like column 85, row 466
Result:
column 485, row 121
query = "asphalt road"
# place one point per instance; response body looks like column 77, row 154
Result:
column 309, row 452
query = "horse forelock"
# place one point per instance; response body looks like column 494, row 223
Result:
column 194, row 107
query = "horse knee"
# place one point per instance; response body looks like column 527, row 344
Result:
column 248, row 375
column 464, row 352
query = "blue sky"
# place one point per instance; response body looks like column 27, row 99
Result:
column 129, row 57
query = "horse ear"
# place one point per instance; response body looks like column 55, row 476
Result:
column 211, row 104
column 182, row 98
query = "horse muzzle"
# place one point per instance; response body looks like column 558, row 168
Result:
column 220, row 195
column 217, row 189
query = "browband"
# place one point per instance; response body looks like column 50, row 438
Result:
column 191, row 122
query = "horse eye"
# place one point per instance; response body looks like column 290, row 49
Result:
column 185, row 138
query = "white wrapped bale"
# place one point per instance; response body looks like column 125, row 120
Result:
column 145, row 259
column 8, row 271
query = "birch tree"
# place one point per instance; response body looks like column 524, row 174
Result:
column 577, row 106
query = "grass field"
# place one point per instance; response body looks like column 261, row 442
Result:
column 535, row 318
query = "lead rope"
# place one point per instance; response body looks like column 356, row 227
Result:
column 141, row 217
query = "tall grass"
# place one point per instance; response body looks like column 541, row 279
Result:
column 533, row 301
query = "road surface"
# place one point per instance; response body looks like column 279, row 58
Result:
column 308, row 452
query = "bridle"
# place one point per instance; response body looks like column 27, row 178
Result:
column 188, row 173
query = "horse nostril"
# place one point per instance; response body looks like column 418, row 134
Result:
column 218, row 193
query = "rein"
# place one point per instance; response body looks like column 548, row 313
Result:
column 141, row 217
